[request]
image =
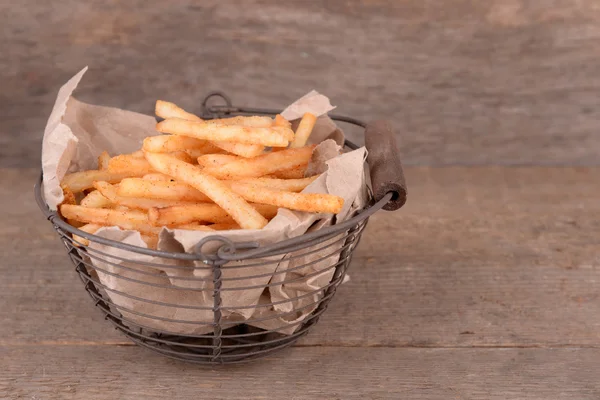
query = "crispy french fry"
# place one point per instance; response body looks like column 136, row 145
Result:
column 280, row 121
column 131, row 220
column 111, row 192
column 140, row 166
column 224, row 226
column 68, row 195
column 88, row 228
column 311, row 202
column 227, row 133
column 251, row 122
column 80, row 181
column 290, row 185
column 95, row 199
column 242, row 212
column 178, row 215
column 193, row 226
column 103, row 160
column 157, row 177
column 307, row 123
column 177, row 191
column 171, row 143
column 241, row 149
column 164, row 109
column 209, row 148
column 137, row 154
column 216, row 160
column 262, row 165
column 292, row 173
column 150, row 240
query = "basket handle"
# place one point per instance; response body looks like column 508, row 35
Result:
column 384, row 162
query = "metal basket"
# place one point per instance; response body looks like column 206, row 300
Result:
column 235, row 341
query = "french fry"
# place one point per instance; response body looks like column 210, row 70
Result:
column 186, row 214
column 290, row 185
column 280, row 121
column 157, row 177
column 68, row 195
column 88, row 228
column 103, row 160
column 164, row 109
column 242, row 212
column 193, row 226
column 95, row 199
column 137, row 154
column 251, row 122
column 224, row 226
column 215, row 160
column 178, row 215
column 150, row 240
column 79, row 181
column 241, row 149
column 227, row 133
column 111, row 192
column 307, row 123
column 209, row 148
column 292, row 173
column 311, row 202
column 262, row 165
column 139, row 166
column 171, row 143
column 130, row 220
column 177, row 191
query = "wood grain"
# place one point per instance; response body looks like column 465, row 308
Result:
column 117, row 372
column 495, row 82
column 478, row 257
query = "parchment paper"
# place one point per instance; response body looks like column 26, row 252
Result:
column 173, row 296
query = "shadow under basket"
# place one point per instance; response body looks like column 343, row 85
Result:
column 223, row 339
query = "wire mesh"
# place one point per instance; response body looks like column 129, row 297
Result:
column 228, row 331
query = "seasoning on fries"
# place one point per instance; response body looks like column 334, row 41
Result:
column 203, row 175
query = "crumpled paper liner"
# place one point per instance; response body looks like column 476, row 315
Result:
column 177, row 296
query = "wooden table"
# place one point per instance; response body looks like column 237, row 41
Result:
column 485, row 286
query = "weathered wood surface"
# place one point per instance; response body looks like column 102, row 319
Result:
column 479, row 257
column 488, row 82
column 124, row 372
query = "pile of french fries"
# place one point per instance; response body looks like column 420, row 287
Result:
column 231, row 173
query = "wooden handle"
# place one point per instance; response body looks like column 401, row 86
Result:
column 384, row 162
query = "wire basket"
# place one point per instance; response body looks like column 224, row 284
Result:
column 225, row 340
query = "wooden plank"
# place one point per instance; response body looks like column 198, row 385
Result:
column 117, row 372
column 478, row 257
column 500, row 81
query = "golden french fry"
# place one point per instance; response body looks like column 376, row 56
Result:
column 307, row 123
column 157, row 177
column 96, row 199
column 280, row 121
column 68, row 195
column 238, row 208
column 193, row 226
column 177, row 191
column 241, row 149
column 103, row 159
column 88, row 228
column 209, row 148
column 292, row 173
column 224, row 226
column 251, row 122
column 171, row 143
column 262, row 165
column 111, row 192
column 178, row 215
column 137, row 154
column 227, row 133
column 150, row 240
column 216, row 160
column 140, row 166
column 289, row 185
column 130, row 220
column 80, row 181
column 285, row 132
column 164, row 109
column 311, row 202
